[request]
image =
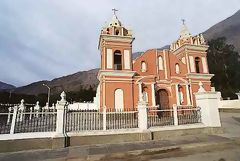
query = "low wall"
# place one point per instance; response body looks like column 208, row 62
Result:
column 79, row 139
column 82, row 106
column 230, row 104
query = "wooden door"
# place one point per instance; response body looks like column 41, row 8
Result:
column 162, row 99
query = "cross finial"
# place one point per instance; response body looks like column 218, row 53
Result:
column 183, row 21
column 114, row 11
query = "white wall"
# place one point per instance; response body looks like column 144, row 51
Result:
column 83, row 106
column 229, row 104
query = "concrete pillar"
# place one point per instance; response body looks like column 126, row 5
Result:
column 104, row 118
column 153, row 95
column 61, row 115
column 208, row 102
column 15, row 109
column 175, row 115
column 142, row 115
column 140, row 91
column 188, row 95
column 21, row 110
column 177, row 94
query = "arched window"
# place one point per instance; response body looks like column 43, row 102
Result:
column 118, row 99
column 117, row 60
column 143, row 66
column 197, row 64
column 177, row 68
column 160, row 63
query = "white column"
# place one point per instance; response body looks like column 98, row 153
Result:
column 15, row 108
column 140, row 91
column 209, row 102
column 177, row 94
column 104, row 118
column 9, row 114
column 188, row 96
column 153, row 95
column 61, row 114
column 175, row 115
column 165, row 64
column 142, row 115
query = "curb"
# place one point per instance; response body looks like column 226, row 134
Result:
column 164, row 150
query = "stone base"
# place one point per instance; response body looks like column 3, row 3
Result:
column 61, row 142
column 108, row 139
column 160, row 135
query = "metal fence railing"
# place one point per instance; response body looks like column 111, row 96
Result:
column 158, row 117
column 88, row 120
column 173, row 116
column 188, row 115
column 83, row 120
column 5, row 122
column 35, row 121
column 28, row 118
column 121, row 119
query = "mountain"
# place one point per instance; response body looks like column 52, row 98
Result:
column 229, row 28
column 5, row 86
column 73, row 83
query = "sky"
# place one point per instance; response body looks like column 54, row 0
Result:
column 45, row 39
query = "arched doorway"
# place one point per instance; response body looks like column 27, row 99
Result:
column 162, row 99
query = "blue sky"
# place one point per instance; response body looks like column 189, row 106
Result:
column 45, row 39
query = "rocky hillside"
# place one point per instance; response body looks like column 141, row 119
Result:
column 73, row 82
column 5, row 86
column 229, row 28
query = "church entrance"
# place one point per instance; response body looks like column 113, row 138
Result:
column 162, row 99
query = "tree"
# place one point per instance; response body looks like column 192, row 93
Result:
column 224, row 62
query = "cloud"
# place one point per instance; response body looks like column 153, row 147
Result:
column 45, row 39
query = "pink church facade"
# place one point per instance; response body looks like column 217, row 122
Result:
column 159, row 77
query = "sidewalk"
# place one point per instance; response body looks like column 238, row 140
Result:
column 230, row 122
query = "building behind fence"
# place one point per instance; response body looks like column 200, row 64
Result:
column 61, row 120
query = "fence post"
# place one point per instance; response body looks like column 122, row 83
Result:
column 22, row 110
column 61, row 113
column 175, row 115
column 9, row 115
column 37, row 108
column 142, row 115
column 60, row 138
column 208, row 102
column 104, row 118
column 15, row 108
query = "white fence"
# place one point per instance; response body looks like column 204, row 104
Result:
column 178, row 115
column 63, row 120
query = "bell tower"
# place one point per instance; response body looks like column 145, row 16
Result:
column 115, row 74
column 115, row 45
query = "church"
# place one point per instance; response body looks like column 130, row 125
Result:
column 159, row 77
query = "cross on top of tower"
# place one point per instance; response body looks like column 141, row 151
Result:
column 114, row 11
column 183, row 21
